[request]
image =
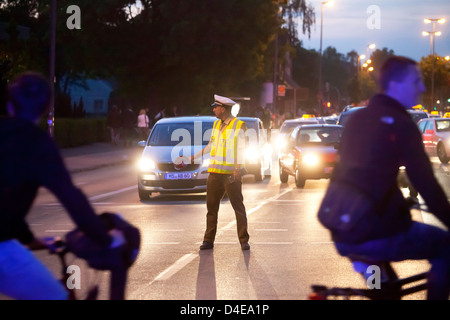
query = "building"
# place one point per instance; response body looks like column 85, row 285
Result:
column 95, row 96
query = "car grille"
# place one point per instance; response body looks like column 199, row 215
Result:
column 171, row 168
column 175, row 184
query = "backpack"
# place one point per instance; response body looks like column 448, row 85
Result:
column 349, row 212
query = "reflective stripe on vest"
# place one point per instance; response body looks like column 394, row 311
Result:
column 224, row 147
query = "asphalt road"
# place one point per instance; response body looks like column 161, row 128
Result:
column 289, row 252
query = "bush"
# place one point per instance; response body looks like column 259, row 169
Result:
column 72, row 132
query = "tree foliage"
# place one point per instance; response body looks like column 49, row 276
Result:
column 159, row 52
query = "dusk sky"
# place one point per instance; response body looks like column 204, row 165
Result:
column 394, row 24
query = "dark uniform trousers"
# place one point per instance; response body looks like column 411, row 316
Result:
column 216, row 186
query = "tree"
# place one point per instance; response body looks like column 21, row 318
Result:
column 441, row 79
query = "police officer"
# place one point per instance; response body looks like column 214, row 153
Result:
column 226, row 166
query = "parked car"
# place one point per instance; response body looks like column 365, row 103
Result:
column 311, row 153
column 171, row 139
column 436, row 137
column 258, row 153
column 346, row 114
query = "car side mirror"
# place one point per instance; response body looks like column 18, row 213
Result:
column 141, row 143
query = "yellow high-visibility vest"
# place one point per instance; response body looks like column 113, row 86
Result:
column 224, row 147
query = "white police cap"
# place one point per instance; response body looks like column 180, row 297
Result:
column 223, row 101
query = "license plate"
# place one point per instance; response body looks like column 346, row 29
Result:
column 328, row 169
column 178, row 175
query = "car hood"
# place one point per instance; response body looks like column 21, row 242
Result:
column 164, row 154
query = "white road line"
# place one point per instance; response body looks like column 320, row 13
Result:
column 249, row 212
column 274, row 243
column 174, row 268
column 161, row 243
column 104, row 195
column 100, row 196
column 187, row 258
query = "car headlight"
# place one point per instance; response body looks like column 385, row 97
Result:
column 252, row 154
column 145, row 164
column 281, row 143
column 310, row 159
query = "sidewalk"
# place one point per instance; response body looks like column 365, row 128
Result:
column 98, row 155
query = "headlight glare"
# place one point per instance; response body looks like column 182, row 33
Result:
column 310, row 159
column 146, row 164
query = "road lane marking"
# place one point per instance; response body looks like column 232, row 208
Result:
column 174, row 268
column 167, row 273
column 104, row 195
column 249, row 212
column 162, row 243
column 273, row 243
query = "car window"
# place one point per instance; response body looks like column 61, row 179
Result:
column 422, row 125
column 252, row 133
column 429, row 125
column 251, row 124
column 442, row 125
column 172, row 134
column 320, row 135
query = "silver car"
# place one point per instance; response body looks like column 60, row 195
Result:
column 258, row 153
column 164, row 164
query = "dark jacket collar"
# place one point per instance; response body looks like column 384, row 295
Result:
column 382, row 100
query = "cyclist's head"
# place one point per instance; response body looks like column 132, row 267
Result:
column 400, row 78
column 29, row 96
column 394, row 69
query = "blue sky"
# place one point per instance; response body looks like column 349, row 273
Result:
column 347, row 25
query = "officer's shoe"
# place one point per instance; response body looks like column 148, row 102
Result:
column 245, row 246
column 206, row 245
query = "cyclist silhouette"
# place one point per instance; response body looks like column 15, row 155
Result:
column 30, row 159
column 376, row 141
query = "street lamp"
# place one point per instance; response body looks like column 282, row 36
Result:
column 370, row 47
column 324, row 3
column 360, row 57
column 432, row 35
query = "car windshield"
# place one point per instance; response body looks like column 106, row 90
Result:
column 320, row 135
column 443, row 125
column 186, row 133
column 251, row 124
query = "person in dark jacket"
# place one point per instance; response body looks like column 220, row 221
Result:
column 376, row 141
column 30, row 159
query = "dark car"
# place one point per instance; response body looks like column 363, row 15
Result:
column 311, row 153
column 417, row 115
column 345, row 115
column 287, row 127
